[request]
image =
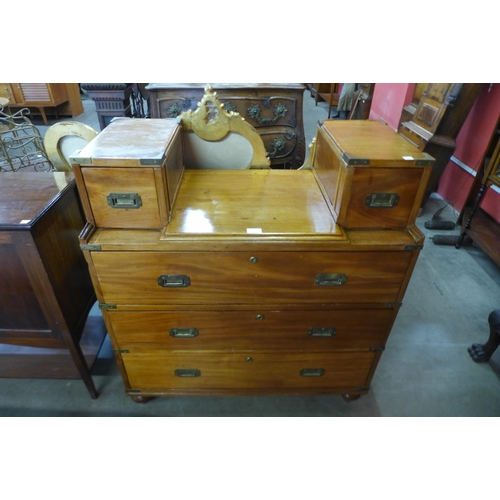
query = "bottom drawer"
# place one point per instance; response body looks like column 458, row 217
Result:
column 257, row 370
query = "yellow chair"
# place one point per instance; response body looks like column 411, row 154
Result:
column 63, row 139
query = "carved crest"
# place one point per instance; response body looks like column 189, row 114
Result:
column 211, row 122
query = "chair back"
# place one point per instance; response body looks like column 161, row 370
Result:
column 216, row 139
column 63, row 139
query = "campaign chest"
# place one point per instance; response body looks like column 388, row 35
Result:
column 251, row 288
column 129, row 174
column 372, row 177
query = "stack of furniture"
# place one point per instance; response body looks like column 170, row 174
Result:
column 250, row 281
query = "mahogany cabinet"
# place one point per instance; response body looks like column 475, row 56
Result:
column 274, row 109
column 46, row 294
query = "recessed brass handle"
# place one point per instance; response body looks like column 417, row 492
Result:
column 174, row 280
column 312, row 372
column 331, row 279
column 187, row 372
column 183, row 333
column 322, row 331
column 382, row 200
column 124, row 200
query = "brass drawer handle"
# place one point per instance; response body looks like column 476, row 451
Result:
column 187, row 372
column 124, row 200
column 382, row 200
column 174, row 280
column 312, row 372
column 331, row 279
column 183, row 333
column 322, row 331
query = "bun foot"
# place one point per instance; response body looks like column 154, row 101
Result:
column 350, row 397
column 141, row 399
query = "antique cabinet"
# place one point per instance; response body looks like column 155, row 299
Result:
column 253, row 287
column 46, row 293
column 274, row 109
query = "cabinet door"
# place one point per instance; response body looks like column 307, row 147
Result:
column 50, row 94
column 20, row 311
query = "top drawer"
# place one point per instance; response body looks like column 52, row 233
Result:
column 373, row 177
column 129, row 174
column 170, row 278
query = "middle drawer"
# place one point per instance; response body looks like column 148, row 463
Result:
column 176, row 278
column 311, row 330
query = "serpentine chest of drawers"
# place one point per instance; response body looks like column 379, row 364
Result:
column 274, row 109
column 252, row 286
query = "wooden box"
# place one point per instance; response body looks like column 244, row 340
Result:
column 129, row 174
column 372, row 177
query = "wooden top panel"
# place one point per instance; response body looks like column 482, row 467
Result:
column 250, row 202
column 25, row 196
column 131, row 142
column 374, row 141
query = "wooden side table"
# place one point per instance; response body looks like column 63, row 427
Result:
column 46, row 293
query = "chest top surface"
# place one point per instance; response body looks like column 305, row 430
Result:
column 27, row 195
column 131, row 142
column 374, row 141
column 251, row 202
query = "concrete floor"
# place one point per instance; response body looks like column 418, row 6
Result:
column 424, row 371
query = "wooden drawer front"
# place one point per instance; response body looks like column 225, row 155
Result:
column 367, row 198
column 6, row 92
column 311, row 330
column 279, row 144
column 244, row 278
column 264, row 112
column 149, row 184
column 257, row 370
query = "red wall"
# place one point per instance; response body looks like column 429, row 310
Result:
column 472, row 142
column 388, row 102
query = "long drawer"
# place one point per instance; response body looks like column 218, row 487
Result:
column 245, row 278
column 309, row 330
column 163, row 370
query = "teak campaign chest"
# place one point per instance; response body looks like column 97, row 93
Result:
column 252, row 287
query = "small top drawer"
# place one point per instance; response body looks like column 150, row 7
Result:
column 373, row 177
column 129, row 174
